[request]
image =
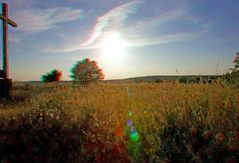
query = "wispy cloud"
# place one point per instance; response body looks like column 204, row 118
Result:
column 152, row 31
column 110, row 20
column 34, row 20
column 19, row 4
column 165, row 27
column 167, row 38
column 145, row 28
column 113, row 18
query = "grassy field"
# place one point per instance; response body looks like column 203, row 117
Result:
column 126, row 122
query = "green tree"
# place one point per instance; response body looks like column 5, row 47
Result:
column 54, row 75
column 86, row 71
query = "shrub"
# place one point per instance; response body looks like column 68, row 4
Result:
column 232, row 78
column 54, row 75
column 183, row 80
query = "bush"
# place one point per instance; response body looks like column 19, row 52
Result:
column 54, row 75
column 232, row 78
column 158, row 81
column 195, row 80
column 183, row 80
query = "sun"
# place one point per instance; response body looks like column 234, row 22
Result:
column 113, row 48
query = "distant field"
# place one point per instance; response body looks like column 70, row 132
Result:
column 158, row 78
column 123, row 122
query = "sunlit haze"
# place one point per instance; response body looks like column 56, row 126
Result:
column 113, row 49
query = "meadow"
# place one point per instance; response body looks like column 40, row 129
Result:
column 120, row 122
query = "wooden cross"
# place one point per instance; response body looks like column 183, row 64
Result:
column 5, row 82
column 5, row 72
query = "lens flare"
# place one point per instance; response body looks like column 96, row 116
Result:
column 130, row 113
column 134, row 137
column 129, row 122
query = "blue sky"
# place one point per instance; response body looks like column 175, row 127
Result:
column 126, row 37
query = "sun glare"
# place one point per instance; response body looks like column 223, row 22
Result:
column 113, row 48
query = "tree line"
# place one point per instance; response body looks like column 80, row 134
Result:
column 84, row 72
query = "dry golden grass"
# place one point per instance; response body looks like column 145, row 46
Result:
column 185, row 120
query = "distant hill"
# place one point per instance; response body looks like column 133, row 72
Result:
column 161, row 78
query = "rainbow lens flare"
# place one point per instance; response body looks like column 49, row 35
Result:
column 134, row 137
column 131, row 131
column 129, row 122
column 130, row 113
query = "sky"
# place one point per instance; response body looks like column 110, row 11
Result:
column 127, row 38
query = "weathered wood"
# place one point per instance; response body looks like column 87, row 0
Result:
column 5, row 82
column 5, row 42
column 6, row 21
column 9, row 21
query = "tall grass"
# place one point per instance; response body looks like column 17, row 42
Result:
column 174, row 122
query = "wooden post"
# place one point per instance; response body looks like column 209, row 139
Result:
column 5, row 43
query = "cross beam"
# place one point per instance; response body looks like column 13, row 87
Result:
column 6, row 21
column 9, row 21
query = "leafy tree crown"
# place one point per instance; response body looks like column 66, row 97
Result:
column 86, row 71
